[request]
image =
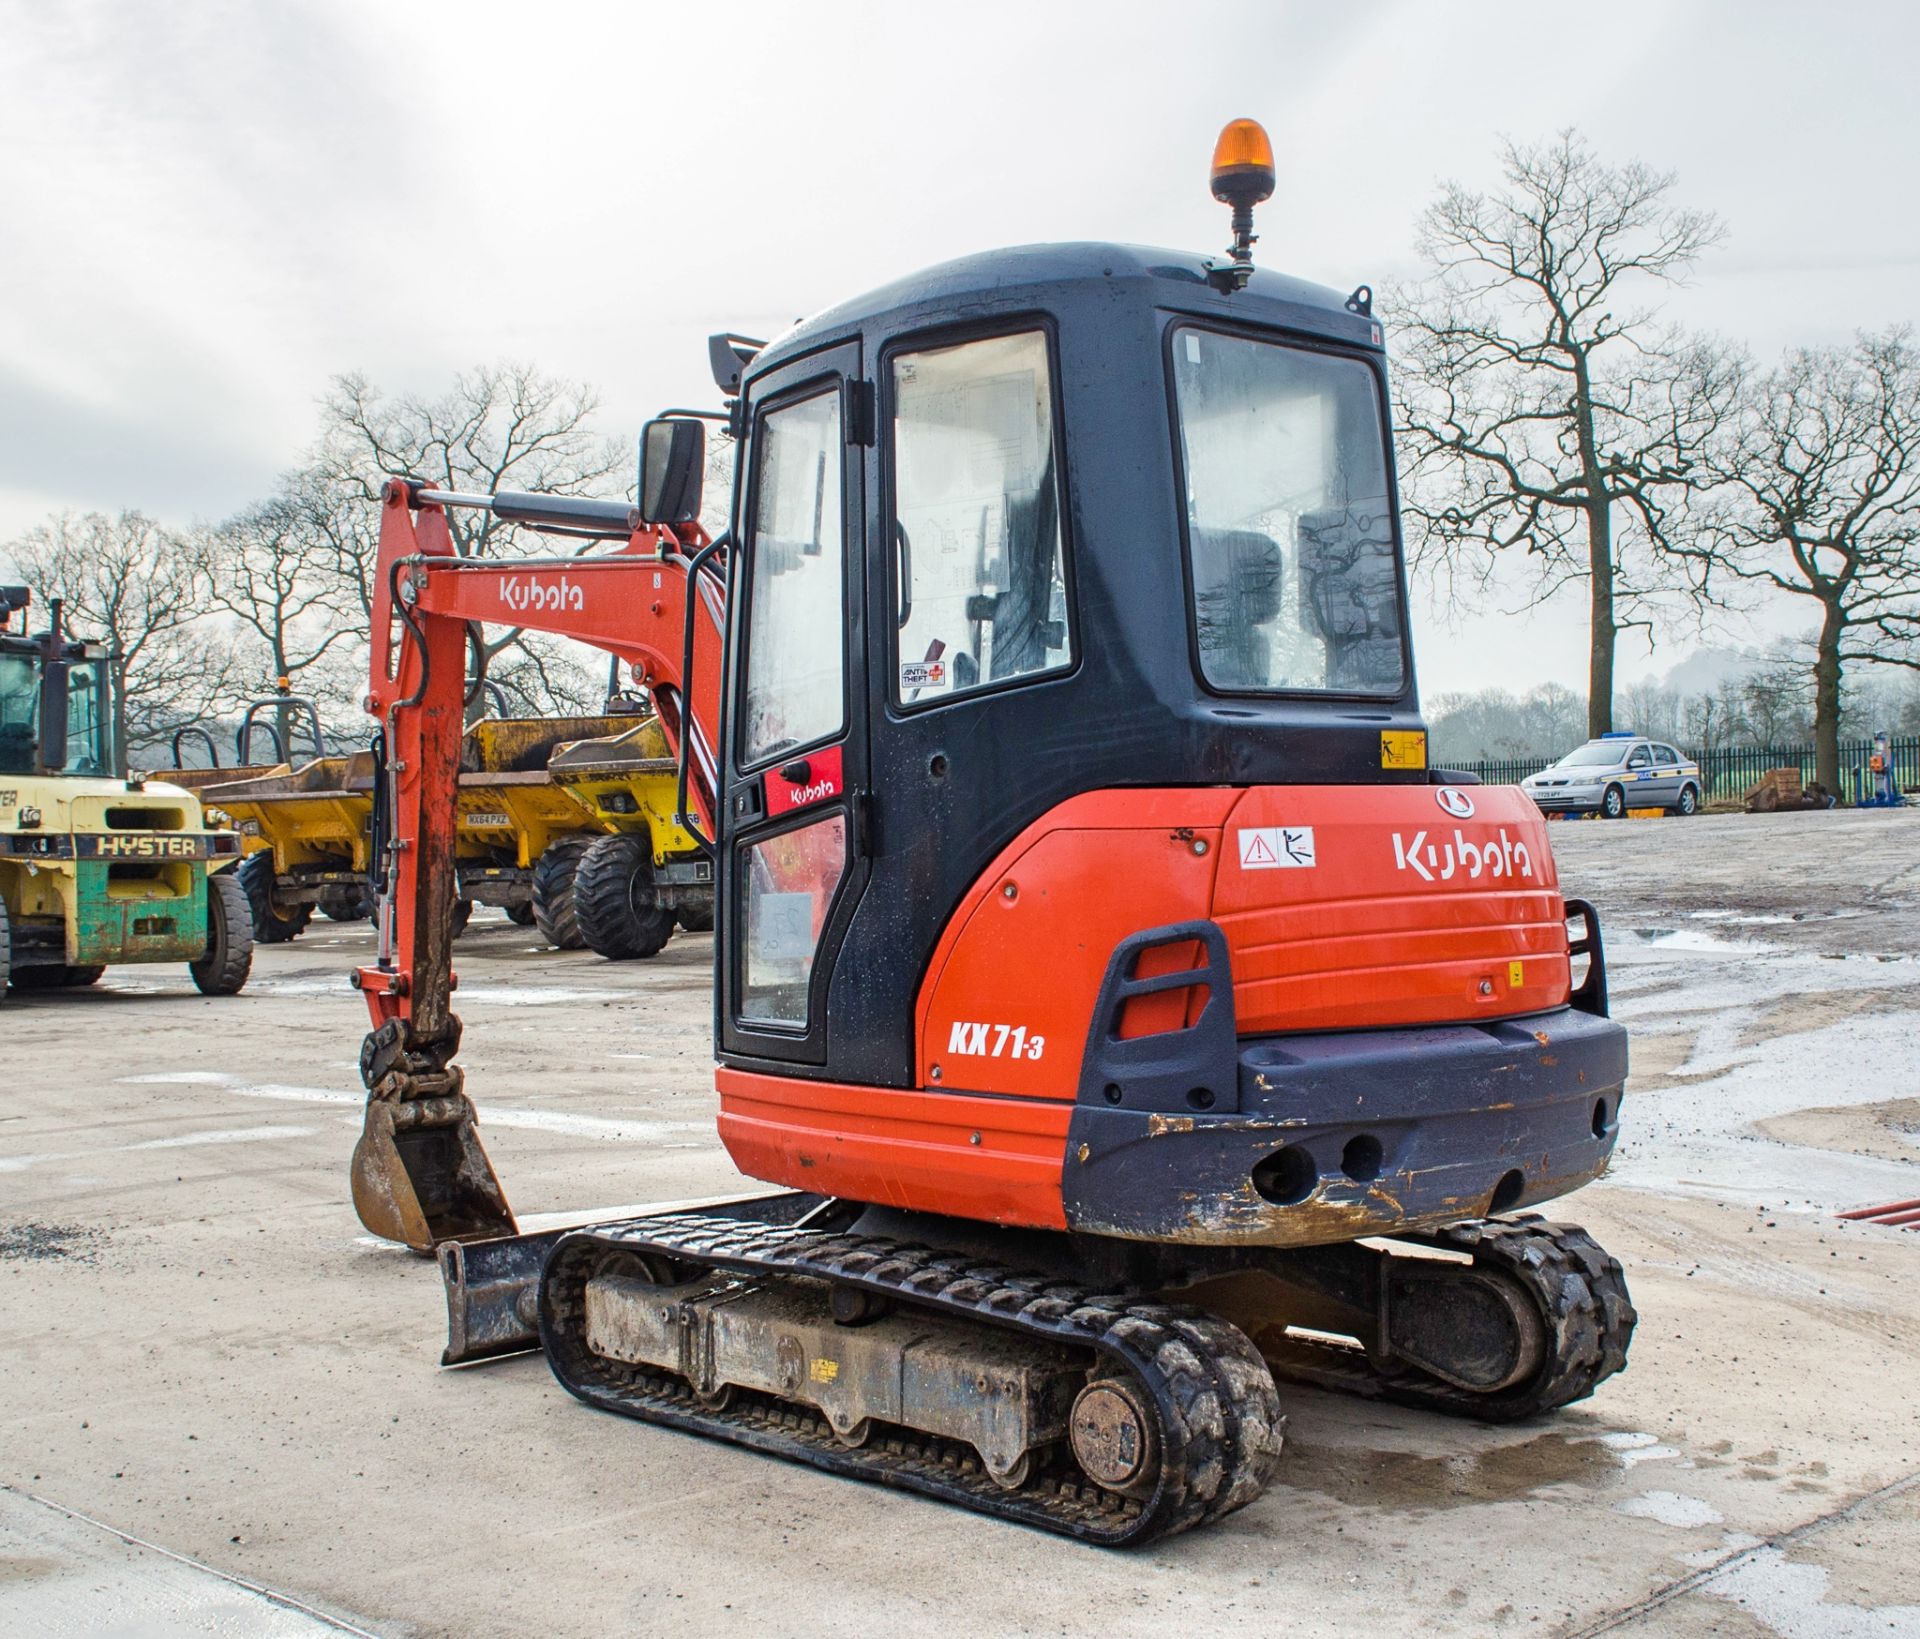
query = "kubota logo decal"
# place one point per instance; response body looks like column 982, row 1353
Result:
column 1455, row 801
column 1442, row 860
column 522, row 593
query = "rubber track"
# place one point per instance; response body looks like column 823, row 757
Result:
column 1221, row 1426
column 1579, row 1289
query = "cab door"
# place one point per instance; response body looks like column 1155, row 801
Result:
column 792, row 846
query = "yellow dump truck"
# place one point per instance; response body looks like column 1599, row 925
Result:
column 648, row 872
column 307, row 831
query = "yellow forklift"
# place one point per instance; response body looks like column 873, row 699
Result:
column 98, row 868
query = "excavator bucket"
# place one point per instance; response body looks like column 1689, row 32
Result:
column 421, row 1177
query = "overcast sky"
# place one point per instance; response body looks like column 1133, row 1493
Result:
column 208, row 209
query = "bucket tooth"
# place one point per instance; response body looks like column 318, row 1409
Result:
column 421, row 1177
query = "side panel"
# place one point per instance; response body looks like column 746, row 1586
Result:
column 1359, row 908
column 996, row 1159
column 1011, row 987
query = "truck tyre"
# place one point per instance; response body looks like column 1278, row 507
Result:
column 271, row 924
column 620, row 916
column 553, row 875
column 229, row 958
column 697, row 918
column 1689, row 803
column 58, row 976
column 1614, row 804
column 348, row 905
column 521, row 915
column 462, row 915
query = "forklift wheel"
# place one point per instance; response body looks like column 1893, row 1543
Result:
column 229, row 958
column 56, row 977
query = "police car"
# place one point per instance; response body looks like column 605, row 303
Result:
column 1614, row 773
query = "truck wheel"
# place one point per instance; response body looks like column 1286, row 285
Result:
column 462, row 915
column 57, row 977
column 1689, row 803
column 1614, row 804
column 271, row 924
column 348, row 905
column 697, row 918
column 553, row 875
column 521, row 915
column 620, row 917
column 229, row 958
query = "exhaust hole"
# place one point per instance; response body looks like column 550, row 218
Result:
column 1508, row 1191
column 1360, row 1160
column 1286, row 1178
column 1201, row 1098
column 1111, row 1092
column 1601, row 1124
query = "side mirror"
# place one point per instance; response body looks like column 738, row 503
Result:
column 53, row 714
column 673, row 455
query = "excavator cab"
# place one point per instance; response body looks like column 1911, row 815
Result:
column 1089, row 920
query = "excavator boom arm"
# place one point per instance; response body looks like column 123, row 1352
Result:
column 658, row 602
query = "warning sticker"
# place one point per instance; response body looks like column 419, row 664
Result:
column 1275, row 847
column 923, row 674
column 1403, row 748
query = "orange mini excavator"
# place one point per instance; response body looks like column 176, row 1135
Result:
column 1125, row 1011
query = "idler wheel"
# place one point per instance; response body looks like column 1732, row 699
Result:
column 1116, row 1437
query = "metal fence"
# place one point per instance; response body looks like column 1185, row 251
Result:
column 1733, row 771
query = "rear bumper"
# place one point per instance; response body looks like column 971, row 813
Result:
column 1358, row 1133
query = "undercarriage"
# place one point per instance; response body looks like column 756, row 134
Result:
column 1113, row 1391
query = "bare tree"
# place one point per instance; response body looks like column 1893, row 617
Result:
column 1536, row 410
column 1818, row 497
column 499, row 427
column 133, row 586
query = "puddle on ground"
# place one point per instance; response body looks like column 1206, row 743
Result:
column 1704, row 943
column 1405, row 1479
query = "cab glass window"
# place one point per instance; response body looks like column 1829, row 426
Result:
column 1640, row 758
column 19, row 713
column 789, row 884
column 795, row 692
column 89, row 725
column 979, row 580
column 1296, row 587
column 1666, row 756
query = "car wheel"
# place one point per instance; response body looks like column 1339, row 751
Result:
column 1614, row 804
column 1689, row 801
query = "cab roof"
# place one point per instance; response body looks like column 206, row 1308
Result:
column 1055, row 277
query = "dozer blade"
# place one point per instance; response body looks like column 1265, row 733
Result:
column 420, row 1176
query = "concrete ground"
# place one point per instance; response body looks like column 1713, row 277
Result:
column 221, row 1412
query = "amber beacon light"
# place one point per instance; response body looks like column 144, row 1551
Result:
column 1242, row 177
